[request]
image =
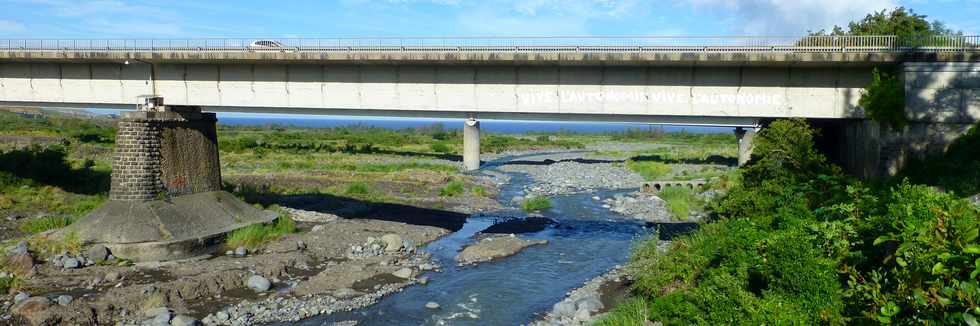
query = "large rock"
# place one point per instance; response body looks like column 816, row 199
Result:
column 393, row 242
column 975, row 199
column 184, row 320
column 98, row 253
column 21, row 265
column 32, row 309
column 405, row 273
column 258, row 283
column 19, row 249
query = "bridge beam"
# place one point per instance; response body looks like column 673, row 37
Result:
column 745, row 146
column 471, row 144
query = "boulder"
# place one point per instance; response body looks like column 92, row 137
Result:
column 258, row 283
column 20, row 297
column 405, row 273
column 21, row 265
column 563, row 309
column 241, row 251
column 393, row 242
column 97, row 253
column 432, row 305
column 64, row 300
column 112, row 276
column 591, row 304
column 184, row 320
column 70, row 263
column 32, row 309
column 19, row 249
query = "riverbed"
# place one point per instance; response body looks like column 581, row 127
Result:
column 585, row 241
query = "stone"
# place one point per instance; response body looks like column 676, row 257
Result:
column 154, row 312
column 97, row 253
column 112, row 276
column 432, row 305
column 64, row 300
column 162, row 319
column 427, row 267
column 20, row 297
column 19, row 249
column 563, row 309
column 258, row 283
column 184, row 320
column 230, row 253
column 70, row 263
column 404, row 273
column 241, row 251
column 975, row 199
column 21, row 265
column 221, row 316
column 423, row 280
column 32, row 309
column 393, row 242
column 582, row 315
column 591, row 304
column 345, row 293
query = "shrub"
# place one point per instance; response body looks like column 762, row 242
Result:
column 633, row 312
column 481, row 191
column 452, row 189
column 883, row 99
column 38, row 225
column 441, row 148
column 357, row 189
column 535, row 204
column 679, row 201
column 255, row 235
column 650, row 170
column 8, row 283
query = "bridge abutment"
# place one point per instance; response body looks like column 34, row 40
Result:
column 471, row 144
column 165, row 201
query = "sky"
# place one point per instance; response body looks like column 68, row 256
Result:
column 76, row 19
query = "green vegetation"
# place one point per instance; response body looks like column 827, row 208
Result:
column 441, row 148
column 452, row 189
column 481, row 191
column 8, row 283
column 680, row 201
column 357, row 189
column 73, row 128
column 883, row 100
column 68, row 242
column 38, row 225
column 900, row 22
column 253, row 236
column 630, row 313
column 650, row 170
column 798, row 242
column 536, row 204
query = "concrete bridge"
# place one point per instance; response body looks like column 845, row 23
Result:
column 716, row 81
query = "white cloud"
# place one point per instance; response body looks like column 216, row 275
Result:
column 782, row 17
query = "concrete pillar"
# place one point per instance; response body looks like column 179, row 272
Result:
column 471, row 144
column 744, row 144
column 165, row 151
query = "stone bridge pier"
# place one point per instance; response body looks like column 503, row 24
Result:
column 165, row 200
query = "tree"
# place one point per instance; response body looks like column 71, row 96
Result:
column 901, row 22
column 883, row 100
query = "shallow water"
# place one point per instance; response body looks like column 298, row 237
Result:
column 587, row 241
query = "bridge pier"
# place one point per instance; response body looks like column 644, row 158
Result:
column 471, row 144
column 744, row 138
column 165, row 200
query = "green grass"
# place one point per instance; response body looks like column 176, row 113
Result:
column 69, row 242
column 357, row 189
column 8, row 283
column 650, row 170
column 38, row 225
column 633, row 312
column 679, row 200
column 452, row 189
column 536, row 204
column 255, row 235
column 481, row 191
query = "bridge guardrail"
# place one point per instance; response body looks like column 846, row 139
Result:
column 670, row 44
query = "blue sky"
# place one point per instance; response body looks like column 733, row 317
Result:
column 283, row 18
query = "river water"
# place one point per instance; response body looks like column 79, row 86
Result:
column 587, row 241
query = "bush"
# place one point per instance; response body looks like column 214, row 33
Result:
column 798, row 242
column 883, row 99
column 481, row 191
column 255, row 235
column 650, row 170
column 535, row 204
column 357, row 189
column 679, row 201
column 441, row 148
column 38, row 225
column 452, row 189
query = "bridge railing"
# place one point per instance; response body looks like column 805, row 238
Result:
column 737, row 44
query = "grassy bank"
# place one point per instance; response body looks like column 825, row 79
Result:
column 798, row 242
